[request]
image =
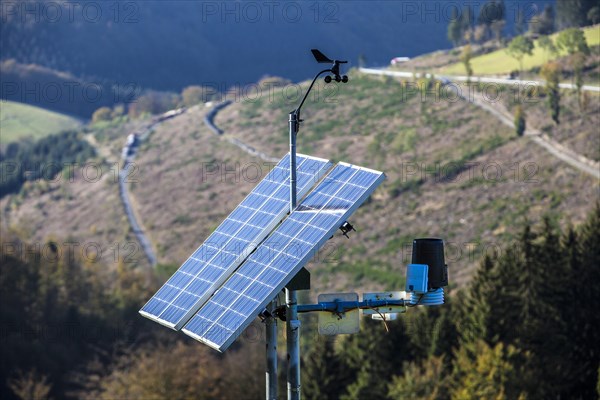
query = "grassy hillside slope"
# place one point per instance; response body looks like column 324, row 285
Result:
column 383, row 125
column 18, row 120
column 490, row 181
column 499, row 62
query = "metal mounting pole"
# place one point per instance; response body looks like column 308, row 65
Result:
column 292, row 326
column 271, row 375
column 293, row 123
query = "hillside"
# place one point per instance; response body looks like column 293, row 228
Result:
column 128, row 37
column 406, row 138
column 499, row 62
column 490, row 181
column 454, row 171
column 20, row 121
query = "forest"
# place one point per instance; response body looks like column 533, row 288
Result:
column 526, row 327
column 43, row 159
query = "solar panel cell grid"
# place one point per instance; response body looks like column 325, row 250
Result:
column 230, row 243
column 279, row 258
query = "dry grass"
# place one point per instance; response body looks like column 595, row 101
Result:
column 372, row 122
column 578, row 128
column 179, row 196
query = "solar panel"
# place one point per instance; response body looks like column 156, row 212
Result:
column 275, row 262
column 231, row 243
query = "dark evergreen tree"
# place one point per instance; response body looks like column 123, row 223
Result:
column 520, row 23
column 475, row 306
column 574, row 13
column 467, row 20
column 444, row 333
column 580, row 312
column 492, row 11
column 455, row 29
column 543, row 23
column 321, row 371
column 374, row 356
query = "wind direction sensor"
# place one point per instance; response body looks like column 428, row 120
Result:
column 335, row 69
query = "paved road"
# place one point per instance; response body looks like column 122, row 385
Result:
column 124, row 173
column 474, row 79
column 209, row 121
column 553, row 147
column 135, row 226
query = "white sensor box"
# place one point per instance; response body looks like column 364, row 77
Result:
column 416, row 278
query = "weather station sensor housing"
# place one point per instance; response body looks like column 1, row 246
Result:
column 430, row 251
column 428, row 273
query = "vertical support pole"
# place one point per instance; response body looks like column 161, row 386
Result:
column 292, row 326
column 293, row 123
column 271, row 375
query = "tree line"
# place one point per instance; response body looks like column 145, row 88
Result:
column 41, row 159
column 490, row 22
column 526, row 327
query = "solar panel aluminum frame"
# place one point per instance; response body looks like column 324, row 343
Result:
column 301, row 263
column 327, row 165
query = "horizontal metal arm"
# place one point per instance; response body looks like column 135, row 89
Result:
column 343, row 306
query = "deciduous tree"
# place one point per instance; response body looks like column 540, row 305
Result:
column 551, row 73
column 519, row 47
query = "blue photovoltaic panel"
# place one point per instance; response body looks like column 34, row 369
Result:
column 276, row 261
column 231, row 243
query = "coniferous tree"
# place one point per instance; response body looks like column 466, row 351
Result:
column 321, row 370
column 444, row 333
column 488, row 373
column 543, row 23
column 520, row 122
column 425, row 381
column 374, row 356
column 475, row 305
column 574, row 13
column 492, row 15
column 520, row 23
column 466, row 22
column 551, row 73
column 544, row 333
column 580, row 311
column 455, row 31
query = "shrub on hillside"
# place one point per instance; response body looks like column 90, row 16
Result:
column 102, row 114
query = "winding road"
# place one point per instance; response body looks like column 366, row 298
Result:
column 558, row 150
column 124, row 173
column 473, row 79
column 209, row 120
column 128, row 164
column 135, row 226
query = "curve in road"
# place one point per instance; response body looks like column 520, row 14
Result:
column 209, row 120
